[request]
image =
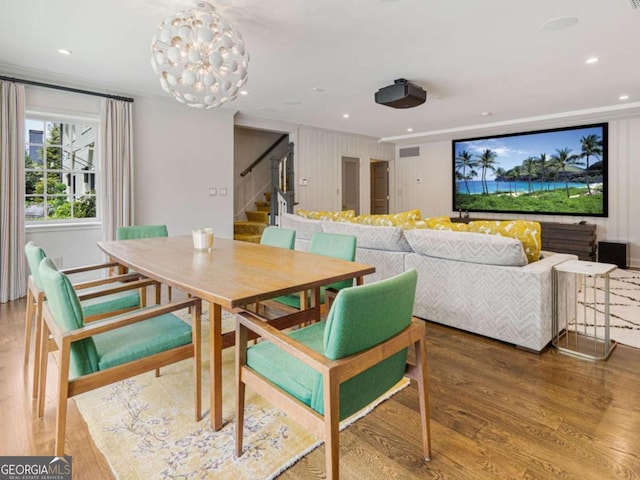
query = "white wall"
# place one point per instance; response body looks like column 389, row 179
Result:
column 433, row 194
column 319, row 160
column 180, row 153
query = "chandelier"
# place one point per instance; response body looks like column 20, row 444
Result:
column 199, row 57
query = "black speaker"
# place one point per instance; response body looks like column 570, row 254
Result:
column 612, row 252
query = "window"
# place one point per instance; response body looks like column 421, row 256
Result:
column 60, row 169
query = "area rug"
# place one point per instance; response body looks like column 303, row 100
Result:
column 624, row 307
column 145, row 426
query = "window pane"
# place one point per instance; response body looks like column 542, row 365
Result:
column 59, row 208
column 54, row 184
column 34, row 209
column 33, row 156
column 84, row 159
column 85, row 206
column 32, row 180
column 53, row 134
column 53, row 157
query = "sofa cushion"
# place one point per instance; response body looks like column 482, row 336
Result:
column 467, row 247
column 389, row 220
column 304, row 228
column 337, row 216
column 368, row 236
column 528, row 232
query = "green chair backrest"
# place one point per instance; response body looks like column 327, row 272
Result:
column 337, row 246
column 34, row 255
column 360, row 318
column 141, row 231
column 278, row 237
column 65, row 308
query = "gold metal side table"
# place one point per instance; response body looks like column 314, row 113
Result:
column 577, row 306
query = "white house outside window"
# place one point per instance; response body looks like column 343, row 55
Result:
column 60, row 170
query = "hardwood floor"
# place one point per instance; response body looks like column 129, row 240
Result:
column 496, row 413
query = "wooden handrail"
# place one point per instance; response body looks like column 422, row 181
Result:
column 264, row 155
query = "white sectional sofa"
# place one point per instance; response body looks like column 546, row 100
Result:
column 475, row 282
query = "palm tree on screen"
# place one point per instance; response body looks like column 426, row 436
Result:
column 591, row 147
column 466, row 161
column 563, row 158
column 543, row 164
column 529, row 169
column 487, row 162
column 500, row 173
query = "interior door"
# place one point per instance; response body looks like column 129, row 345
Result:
column 379, row 187
column 351, row 184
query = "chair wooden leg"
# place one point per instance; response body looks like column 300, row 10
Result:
column 143, row 297
column 63, row 393
column 28, row 321
column 241, row 361
column 158, row 292
column 37, row 346
column 42, row 367
column 197, row 356
column 169, row 292
column 331, row 426
column 423, row 391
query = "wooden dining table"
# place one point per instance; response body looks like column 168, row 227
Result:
column 230, row 276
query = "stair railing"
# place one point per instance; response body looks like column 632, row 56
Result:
column 282, row 186
column 264, row 155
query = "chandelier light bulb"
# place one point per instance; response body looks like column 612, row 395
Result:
column 199, row 57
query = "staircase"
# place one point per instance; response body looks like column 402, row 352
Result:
column 250, row 230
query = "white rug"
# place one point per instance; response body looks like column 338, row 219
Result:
column 624, row 307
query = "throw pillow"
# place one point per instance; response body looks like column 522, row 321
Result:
column 528, row 232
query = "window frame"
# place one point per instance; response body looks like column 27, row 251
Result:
column 65, row 118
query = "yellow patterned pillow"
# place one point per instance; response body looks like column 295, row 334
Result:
column 389, row 220
column 529, row 233
column 326, row 215
column 453, row 226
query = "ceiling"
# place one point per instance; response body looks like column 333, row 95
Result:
column 472, row 56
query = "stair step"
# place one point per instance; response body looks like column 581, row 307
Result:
column 258, row 216
column 263, row 206
column 248, row 228
column 247, row 238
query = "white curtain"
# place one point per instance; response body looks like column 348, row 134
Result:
column 117, row 166
column 13, row 283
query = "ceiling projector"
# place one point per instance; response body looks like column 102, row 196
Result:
column 402, row 94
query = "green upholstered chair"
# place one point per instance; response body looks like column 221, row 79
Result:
column 331, row 245
column 134, row 232
column 99, row 298
column 95, row 354
column 278, row 237
column 326, row 372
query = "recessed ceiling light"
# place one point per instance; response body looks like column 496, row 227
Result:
column 409, row 129
column 318, row 89
column 293, row 102
column 244, row 92
column 559, row 23
column 64, row 51
column 623, row 97
column 485, row 114
column 592, row 60
column 345, row 115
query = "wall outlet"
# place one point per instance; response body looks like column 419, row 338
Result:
column 223, row 192
column 57, row 262
column 304, row 182
column 213, row 192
